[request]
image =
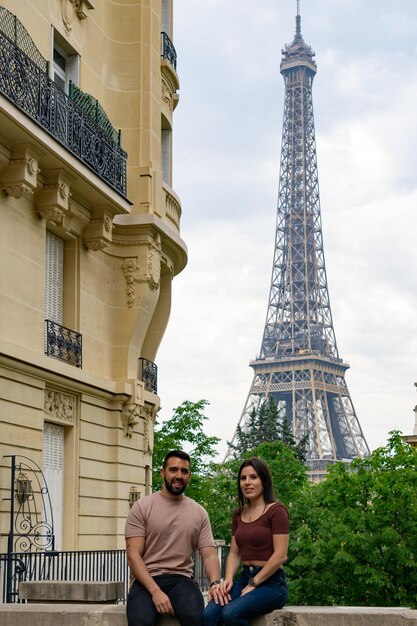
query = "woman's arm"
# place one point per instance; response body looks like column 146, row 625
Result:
column 232, row 564
column 275, row 561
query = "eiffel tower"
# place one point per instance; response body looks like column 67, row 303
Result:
column 299, row 363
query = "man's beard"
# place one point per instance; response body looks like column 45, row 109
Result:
column 176, row 491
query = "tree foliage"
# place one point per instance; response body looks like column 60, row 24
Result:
column 266, row 425
column 353, row 537
column 185, row 431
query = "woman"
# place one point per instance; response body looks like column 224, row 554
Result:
column 260, row 542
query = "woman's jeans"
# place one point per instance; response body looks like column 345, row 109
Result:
column 270, row 595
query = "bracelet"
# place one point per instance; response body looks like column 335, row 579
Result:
column 252, row 583
column 214, row 582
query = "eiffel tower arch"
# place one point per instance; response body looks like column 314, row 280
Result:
column 299, row 362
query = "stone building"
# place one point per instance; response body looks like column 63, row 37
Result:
column 89, row 245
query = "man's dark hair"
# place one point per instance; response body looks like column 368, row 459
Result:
column 180, row 454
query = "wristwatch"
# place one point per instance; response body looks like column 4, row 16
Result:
column 252, row 583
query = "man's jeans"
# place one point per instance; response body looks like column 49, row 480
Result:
column 183, row 592
column 270, row 595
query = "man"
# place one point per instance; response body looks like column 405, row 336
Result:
column 163, row 530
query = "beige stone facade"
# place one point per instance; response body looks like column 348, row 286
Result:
column 121, row 248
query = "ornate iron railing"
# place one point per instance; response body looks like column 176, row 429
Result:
column 148, row 373
column 31, row 525
column 93, row 108
column 31, row 90
column 17, row 33
column 168, row 51
column 63, row 343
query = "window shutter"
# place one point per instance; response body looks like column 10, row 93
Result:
column 166, row 17
column 72, row 68
column 54, row 277
column 54, row 447
column 166, row 155
column 53, row 469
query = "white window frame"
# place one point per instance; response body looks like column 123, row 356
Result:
column 71, row 71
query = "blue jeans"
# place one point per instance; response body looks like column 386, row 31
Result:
column 270, row 595
column 183, row 592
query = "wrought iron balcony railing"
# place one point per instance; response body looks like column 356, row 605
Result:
column 25, row 84
column 63, row 343
column 168, row 51
column 148, row 373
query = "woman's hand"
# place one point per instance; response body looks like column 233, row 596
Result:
column 247, row 589
column 220, row 593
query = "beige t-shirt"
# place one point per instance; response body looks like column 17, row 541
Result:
column 174, row 529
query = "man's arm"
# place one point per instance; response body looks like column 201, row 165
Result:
column 134, row 551
column 212, row 567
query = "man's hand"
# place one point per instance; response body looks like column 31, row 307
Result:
column 217, row 593
column 162, row 602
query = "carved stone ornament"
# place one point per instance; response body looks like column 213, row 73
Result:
column 96, row 244
column 149, row 415
column 19, row 177
column 166, row 92
column 97, row 234
column 129, row 268
column 53, row 199
column 19, row 190
column 69, row 8
column 60, row 406
column 130, row 417
column 147, row 269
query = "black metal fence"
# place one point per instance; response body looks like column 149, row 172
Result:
column 168, row 51
column 91, row 565
column 63, row 343
column 148, row 373
column 24, row 83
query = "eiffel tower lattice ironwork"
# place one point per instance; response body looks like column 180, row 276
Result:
column 299, row 363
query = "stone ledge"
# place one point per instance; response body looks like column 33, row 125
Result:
column 115, row 615
column 66, row 592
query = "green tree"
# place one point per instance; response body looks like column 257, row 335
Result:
column 354, row 536
column 184, row 431
column 288, row 473
column 265, row 424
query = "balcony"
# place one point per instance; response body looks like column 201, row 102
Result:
column 63, row 343
column 148, row 374
column 172, row 206
column 168, row 51
column 26, row 84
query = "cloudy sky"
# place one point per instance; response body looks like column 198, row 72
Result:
column 227, row 142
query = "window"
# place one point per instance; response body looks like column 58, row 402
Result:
column 54, row 277
column 60, row 77
column 66, row 63
column 53, row 468
column 166, row 26
column 166, row 135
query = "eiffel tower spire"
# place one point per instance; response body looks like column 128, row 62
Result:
column 299, row 363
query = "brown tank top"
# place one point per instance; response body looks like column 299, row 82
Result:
column 254, row 539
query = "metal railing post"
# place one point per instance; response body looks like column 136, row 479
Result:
column 10, row 537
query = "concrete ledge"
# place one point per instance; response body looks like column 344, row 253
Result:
column 62, row 591
column 115, row 615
